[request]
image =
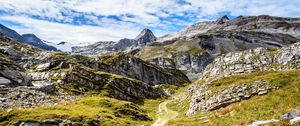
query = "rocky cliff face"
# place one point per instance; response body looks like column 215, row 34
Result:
column 210, row 95
column 12, row 75
column 130, row 66
column 104, row 47
column 259, row 59
column 191, row 49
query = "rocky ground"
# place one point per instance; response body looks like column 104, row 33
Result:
column 31, row 78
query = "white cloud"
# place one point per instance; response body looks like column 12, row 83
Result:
column 64, row 32
column 249, row 7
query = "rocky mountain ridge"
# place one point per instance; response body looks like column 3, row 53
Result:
column 146, row 36
column 263, row 23
column 26, row 38
column 191, row 49
column 120, row 76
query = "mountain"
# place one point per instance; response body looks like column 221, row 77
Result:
column 10, row 33
column 27, row 38
column 194, row 47
column 222, row 20
column 31, row 77
column 263, row 23
column 243, row 71
column 35, row 41
column 145, row 37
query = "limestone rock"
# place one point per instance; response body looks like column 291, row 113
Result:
column 260, row 59
column 212, row 100
column 291, row 115
column 236, row 63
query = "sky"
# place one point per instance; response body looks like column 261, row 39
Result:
column 80, row 21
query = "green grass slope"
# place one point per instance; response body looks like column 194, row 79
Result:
column 269, row 106
column 102, row 110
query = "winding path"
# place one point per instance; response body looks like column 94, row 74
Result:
column 164, row 114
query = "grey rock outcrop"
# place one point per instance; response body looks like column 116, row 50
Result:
column 236, row 63
column 190, row 64
column 12, row 75
column 28, row 97
column 130, row 66
column 259, row 59
column 211, row 100
column 291, row 115
column 80, row 79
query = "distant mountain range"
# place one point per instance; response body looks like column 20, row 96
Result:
column 262, row 23
column 146, row 36
column 143, row 38
column 26, row 38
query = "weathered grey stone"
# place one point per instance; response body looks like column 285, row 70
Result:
column 262, row 92
column 30, row 124
column 4, row 81
column 235, row 63
column 211, row 100
column 42, row 67
column 291, row 115
column 261, row 59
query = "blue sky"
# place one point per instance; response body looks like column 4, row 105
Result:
column 80, row 21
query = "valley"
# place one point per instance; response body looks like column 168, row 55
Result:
column 242, row 71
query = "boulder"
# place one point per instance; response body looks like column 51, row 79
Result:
column 291, row 115
column 4, row 81
column 43, row 67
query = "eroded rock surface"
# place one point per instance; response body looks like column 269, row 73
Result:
column 210, row 100
column 37, row 75
column 260, row 59
column 237, row 63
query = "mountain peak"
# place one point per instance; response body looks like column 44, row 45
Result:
column 36, row 41
column 10, row 33
column 145, row 36
column 223, row 19
column 31, row 38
